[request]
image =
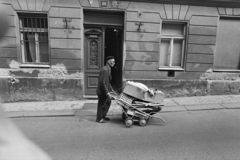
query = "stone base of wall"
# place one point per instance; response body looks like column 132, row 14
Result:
column 40, row 89
column 221, row 87
column 46, row 89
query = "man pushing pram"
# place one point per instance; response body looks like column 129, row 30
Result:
column 139, row 103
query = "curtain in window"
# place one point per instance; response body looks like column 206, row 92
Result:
column 30, row 47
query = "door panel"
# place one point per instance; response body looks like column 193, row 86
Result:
column 93, row 49
column 91, row 81
column 93, row 53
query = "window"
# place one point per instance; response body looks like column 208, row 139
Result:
column 34, row 38
column 172, row 45
column 227, row 56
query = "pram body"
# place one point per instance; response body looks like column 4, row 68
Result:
column 136, row 110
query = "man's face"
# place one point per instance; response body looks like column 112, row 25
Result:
column 111, row 62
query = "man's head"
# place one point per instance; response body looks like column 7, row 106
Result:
column 110, row 61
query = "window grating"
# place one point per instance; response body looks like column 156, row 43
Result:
column 34, row 38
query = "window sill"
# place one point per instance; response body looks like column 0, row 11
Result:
column 170, row 69
column 35, row 66
column 225, row 70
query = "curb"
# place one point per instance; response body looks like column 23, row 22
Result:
column 114, row 110
column 50, row 113
column 88, row 107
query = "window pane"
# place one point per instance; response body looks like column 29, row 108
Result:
column 172, row 29
column 165, row 52
column 30, row 48
column 227, row 54
column 43, row 47
column 44, row 56
column 177, row 52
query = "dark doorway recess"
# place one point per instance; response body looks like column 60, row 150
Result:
column 113, row 47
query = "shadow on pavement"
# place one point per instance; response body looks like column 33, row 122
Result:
column 152, row 122
column 116, row 120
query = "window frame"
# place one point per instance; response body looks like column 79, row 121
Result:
column 172, row 37
column 21, row 45
column 224, row 70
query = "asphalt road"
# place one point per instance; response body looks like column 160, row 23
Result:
column 195, row 135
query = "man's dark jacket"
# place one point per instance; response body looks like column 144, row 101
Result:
column 104, row 80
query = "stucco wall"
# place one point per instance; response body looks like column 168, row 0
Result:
column 63, row 80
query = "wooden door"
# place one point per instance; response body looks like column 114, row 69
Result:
column 94, row 50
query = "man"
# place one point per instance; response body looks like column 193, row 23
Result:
column 103, row 90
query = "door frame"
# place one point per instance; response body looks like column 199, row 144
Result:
column 97, row 25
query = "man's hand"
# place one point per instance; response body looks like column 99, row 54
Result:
column 110, row 97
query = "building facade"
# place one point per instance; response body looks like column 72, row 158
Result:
column 53, row 49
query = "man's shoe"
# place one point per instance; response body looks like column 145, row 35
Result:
column 106, row 118
column 102, row 121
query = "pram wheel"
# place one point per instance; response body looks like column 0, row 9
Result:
column 142, row 122
column 128, row 122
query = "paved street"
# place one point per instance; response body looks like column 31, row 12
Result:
column 188, row 135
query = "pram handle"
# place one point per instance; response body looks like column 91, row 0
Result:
column 159, row 118
column 113, row 95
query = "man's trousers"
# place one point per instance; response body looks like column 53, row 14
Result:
column 103, row 106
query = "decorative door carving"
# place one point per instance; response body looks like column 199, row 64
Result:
column 94, row 53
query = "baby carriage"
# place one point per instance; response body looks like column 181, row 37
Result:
column 136, row 110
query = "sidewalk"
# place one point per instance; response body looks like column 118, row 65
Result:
column 88, row 107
